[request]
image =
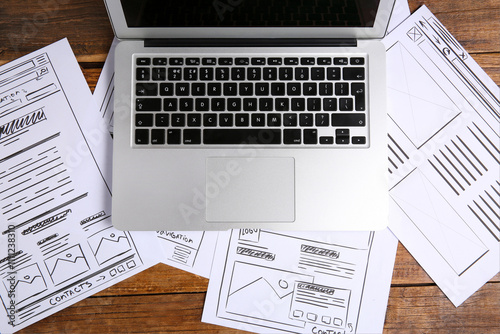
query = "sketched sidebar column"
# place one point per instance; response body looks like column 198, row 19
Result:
column 57, row 242
column 444, row 160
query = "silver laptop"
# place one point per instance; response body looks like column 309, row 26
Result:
column 249, row 114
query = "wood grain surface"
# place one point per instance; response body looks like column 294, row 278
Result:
column 165, row 299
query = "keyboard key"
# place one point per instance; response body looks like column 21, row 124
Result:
column 290, row 119
column 158, row 136
column 190, row 73
column 148, row 104
column 277, row 89
column 307, row 61
column 186, row 104
column 241, row 136
column 146, row 89
column 324, row 61
column 234, row 104
column 192, row 61
column 225, row 61
column 286, row 73
column 214, row 89
column 291, row 61
column 209, row 61
column 242, row 120
column 348, row 119
column 250, row 104
column 298, row 104
column 202, row 104
column 222, row 73
column 143, row 61
column 141, row 136
column 310, row 136
column 174, row 136
column 218, row 104
column 174, row 73
column 258, row 120
column 238, row 73
column 176, row 61
column 292, row 136
column 301, row 73
column 178, row 120
column 340, row 61
column 293, row 88
column 161, row 119
column 143, row 120
column 226, row 119
column 194, row 119
column 170, row 104
column 358, row 90
column 270, row 73
column 210, row 119
column 274, row 61
column 254, row 73
column 258, row 61
column 342, row 140
column 322, row 120
column 305, row 119
column 262, row 89
column 159, row 74
column 313, row 104
column 359, row 140
column 273, row 119
column 142, row 73
column 333, row 73
column 182, row 89
column 266, row 104
column 206, row 74
column 326, row 140
column 198, row 89
column 167, row 89
column 346, row 104
column 159, row 61
column 330, row 104
column 357, row 61
column 310, row 88
column 341, row 88
column 191, row 136
column 353, row 73
column 242, row 61
column 318, row 73
column 282, row 104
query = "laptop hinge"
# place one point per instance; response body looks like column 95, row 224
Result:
column 250, row 42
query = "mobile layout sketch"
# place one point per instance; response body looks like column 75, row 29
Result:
column 57, row 241
column 295, row 282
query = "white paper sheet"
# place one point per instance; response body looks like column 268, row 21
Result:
column 307, row 282
column 57, row 242
column 192, row 251
column 444, row 156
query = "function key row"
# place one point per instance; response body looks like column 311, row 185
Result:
column 256, row 61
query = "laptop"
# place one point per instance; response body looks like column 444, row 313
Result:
column 249, row 114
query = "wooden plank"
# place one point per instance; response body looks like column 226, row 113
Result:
column 26, row 27
column 410, row 310
column 426, row 309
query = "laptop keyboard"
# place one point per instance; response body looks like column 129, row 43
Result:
column 265, row 101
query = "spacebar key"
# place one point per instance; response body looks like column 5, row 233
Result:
column 241, row 136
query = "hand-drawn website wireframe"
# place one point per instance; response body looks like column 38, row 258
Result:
column 57, row 242
column 307, row 282
column 192, row 251
column 444, row 159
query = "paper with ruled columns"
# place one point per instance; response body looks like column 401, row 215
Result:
column 57, row 242
column 444, row 160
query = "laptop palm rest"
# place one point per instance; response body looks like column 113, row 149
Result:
column 250, row 189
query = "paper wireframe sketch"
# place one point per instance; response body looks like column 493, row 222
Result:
column 192, row 251
column 57, row 243
column 444, row 159
column 307, row 282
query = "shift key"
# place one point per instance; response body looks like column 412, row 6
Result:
column 348, row 119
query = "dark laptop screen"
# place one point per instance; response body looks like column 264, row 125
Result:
column 249, row 13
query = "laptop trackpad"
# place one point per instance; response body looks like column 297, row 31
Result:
column 250, row 190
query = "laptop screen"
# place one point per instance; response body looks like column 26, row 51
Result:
column 249, row 13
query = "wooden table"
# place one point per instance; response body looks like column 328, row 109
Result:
column 165, row 299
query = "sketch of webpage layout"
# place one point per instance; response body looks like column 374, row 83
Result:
column 57, row 242
column 192, row 251
column 308, row 282
column 444, row 158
